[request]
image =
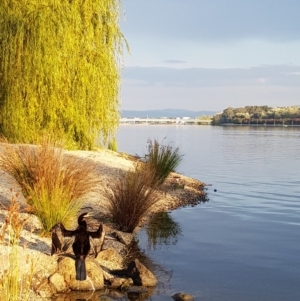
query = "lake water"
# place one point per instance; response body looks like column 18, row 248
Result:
column 244, row 244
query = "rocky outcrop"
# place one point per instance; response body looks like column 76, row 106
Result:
column 56, row 274
column 101, row 272
column 64, row 279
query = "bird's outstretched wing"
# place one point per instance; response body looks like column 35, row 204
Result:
column 67, row 233
column 58, row 234
column 96, row 234
column 96, row 240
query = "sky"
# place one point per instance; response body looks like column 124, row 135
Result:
column 210, row 54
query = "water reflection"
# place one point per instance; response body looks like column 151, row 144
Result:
column 106, row 295
column 162, row 229
column 102, row 295
column 81, row 296
column 133, row 296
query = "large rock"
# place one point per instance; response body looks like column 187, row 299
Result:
column 123, row 237
column 110, row 259
column 94, row 281
column 140, row 274
column 114, row 244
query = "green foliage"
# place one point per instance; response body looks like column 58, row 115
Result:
column 259, row 115
column 53, row 183
column 59, row 70
column 204, row 117
column 113, row 145
column 216, row 119
column 131, row 196
column 162, row 159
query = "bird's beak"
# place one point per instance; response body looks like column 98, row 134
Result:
column 89, row 214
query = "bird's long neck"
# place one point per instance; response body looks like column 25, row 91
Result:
column 80, row 219
column 82, row 225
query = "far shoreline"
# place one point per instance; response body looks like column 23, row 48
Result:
column 219, row 125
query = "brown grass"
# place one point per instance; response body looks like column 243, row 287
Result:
column 52, row 183
column 131, row 196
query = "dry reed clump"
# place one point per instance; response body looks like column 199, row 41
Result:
column 131, row 196
column 14, row 285
column 52, row 183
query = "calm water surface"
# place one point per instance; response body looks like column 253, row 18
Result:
column 244, row 244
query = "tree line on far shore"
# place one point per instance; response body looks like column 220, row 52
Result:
column 259, row 115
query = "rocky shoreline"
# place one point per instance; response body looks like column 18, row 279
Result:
column 51, row 275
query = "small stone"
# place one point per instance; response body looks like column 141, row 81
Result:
column 120, row 283
column 182, row 297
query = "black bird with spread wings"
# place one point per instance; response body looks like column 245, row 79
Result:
column 81, row 245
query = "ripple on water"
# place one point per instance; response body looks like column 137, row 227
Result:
column 244, row 243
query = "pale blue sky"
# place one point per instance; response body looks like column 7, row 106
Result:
column 211, row 54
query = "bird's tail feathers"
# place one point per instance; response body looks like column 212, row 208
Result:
column 80, row 269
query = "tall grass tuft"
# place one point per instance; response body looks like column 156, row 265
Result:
column 52, row 182
column 162, row 159
column 13, row 283
column 131, row 196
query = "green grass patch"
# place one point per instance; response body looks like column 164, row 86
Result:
column 162, row 159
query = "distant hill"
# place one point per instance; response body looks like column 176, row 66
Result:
column 166, row 113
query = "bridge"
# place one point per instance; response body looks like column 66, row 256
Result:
column 165, row 120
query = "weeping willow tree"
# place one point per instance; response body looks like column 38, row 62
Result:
column 60, row 70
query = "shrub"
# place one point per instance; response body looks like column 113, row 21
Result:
column 52, row 183
column 162, row 159
column 113, row 145
column 131, row 196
